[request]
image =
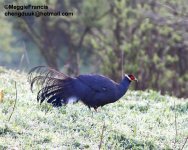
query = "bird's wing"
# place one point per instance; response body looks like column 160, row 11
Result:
column 104, row 90
column 98, row 83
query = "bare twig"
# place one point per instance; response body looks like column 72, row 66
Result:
column 175, row 122
column 14, row 103
column 24, row 56
column 168, row 7
column 102, row 135
column 33, row 35
column 82, row 37
column 104, row 14
column 122, row 64
column 186, row 139
column 26, row 53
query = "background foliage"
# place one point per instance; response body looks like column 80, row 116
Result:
column 144, row 37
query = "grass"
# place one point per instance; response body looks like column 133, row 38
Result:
column 140, row 120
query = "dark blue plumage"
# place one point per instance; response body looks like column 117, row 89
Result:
column 93, row 90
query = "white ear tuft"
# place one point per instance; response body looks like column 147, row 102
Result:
column 126, row 75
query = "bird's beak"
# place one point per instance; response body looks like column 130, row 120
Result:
column 136, row 79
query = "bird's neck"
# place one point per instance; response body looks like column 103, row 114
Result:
column 123, row 87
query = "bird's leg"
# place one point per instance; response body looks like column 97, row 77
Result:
column 89, row 107
column 91, row 111
column 92, row 114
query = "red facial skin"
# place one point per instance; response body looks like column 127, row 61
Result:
column 132, row 77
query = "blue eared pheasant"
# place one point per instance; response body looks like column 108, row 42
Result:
column 91, row 89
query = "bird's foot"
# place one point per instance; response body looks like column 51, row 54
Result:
column 95, row 109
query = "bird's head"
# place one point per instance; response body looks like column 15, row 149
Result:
column 131, row 77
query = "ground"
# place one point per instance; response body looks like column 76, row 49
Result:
column 139, row 120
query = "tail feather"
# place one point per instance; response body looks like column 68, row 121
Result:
column 55, row 86
column 43, row 75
